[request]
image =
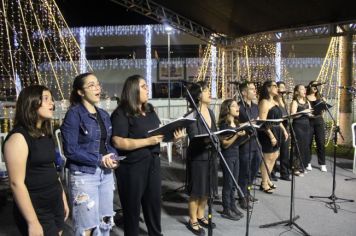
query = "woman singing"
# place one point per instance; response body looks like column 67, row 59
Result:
column 272, row 136
column 40, row 203
column 317, row 125
column 301, row 128
column 139, row 175
column 200, row 181
column 228, row 119
column 86, row 132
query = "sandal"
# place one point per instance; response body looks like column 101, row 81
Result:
column 191, row 226
column 268, row 190
column 205, row 223
column 272, row 186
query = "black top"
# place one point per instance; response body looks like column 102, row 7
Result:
column 304, row 119
column 135, row 127
column 253, row 114
column 41, row 173
column 196, row 152
column 233, row 150
column 103, row 135
column 317, row 112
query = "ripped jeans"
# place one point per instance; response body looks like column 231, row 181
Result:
column 92, row 198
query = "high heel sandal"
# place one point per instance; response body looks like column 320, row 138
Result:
column 200, row 231
column 272, row 186
column 205, row 222
column 269, row 190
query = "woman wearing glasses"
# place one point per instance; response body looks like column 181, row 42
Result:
column 317, row 125
column 139, row 175
column 86, row 132
column 271, row 137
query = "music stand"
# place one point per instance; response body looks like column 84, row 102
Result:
column 215, row 145
column 333, row 197
column 291, row 221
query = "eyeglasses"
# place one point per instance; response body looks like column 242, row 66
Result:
column 274, row 85
column 92, row 86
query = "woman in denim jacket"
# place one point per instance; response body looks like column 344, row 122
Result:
column 86, row 132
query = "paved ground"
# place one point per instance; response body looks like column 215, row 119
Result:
column 316, row 217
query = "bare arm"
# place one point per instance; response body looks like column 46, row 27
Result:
column 226, row 143
column 293, row 107
column 16, row 152
column 262, row 113
column 128, row 144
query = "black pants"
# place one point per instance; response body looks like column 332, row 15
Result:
column 302, row 135
column 248, row 172
column 317, row 131
column 284, row 161
column 228, row 197
column 140, row 184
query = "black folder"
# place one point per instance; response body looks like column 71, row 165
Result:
column 321, row 106
column 298, row 115
column 168, row 129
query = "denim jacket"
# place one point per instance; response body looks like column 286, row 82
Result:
column 81, row 138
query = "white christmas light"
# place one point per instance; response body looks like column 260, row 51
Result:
column 148, row 37
column 82, row 40
column 213, row 71
column 278, row 61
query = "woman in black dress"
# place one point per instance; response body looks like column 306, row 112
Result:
column 139, row 175
column 317, row 125
column 199, row 187
column 272, row 136
column 301, row 128
column 40, row 202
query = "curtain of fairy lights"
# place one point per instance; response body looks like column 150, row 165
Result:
column 31, row 36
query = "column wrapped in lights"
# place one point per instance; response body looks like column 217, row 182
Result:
column 82, row 42
column 148, row 37
column 213, row 71
column 278, row 61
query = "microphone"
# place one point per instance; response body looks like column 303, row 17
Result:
column 317, row 84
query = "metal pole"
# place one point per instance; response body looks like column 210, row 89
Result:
column 169, row 74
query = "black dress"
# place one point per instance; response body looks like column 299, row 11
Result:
column 198, row 164
column 274, row 113
column 301, row 128
column 42, row 183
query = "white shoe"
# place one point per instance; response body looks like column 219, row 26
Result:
column 323, row 168
column 309, row 167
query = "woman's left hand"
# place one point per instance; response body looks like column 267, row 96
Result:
column 178, row 134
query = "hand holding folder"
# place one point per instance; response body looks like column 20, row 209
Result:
column 168, row 129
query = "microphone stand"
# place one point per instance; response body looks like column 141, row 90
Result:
column 214, row 140
column 333, row 197
column 259, row 148
column 291, row 221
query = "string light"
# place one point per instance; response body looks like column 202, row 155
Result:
column 148, row 37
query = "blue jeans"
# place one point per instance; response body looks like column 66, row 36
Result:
column 92, row 198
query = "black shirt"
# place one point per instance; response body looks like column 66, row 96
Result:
column 253, row 114
column 233, row 150
column 41, row 173
column 103, row 134
column 135, row 127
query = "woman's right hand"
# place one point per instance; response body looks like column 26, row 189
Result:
column 154, row 140
column 35, row 229
column 108, row 162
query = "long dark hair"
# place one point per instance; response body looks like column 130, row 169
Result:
column 78, row 84
column 264, row 94
column 27, row 105
column 130, row 97
column 310, row 91
column 196, row 90
column 224, row 112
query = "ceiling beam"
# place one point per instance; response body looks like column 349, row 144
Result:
column 166, row 16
